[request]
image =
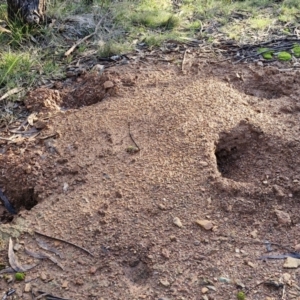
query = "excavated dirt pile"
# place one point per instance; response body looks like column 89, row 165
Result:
column 172, row 181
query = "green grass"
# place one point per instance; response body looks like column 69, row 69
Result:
column 14, row 67
column 296, row 50
column 112, row 48
column 260, row 23
column 155, row 19
column 266, row 53
column 284, row 56
column 28, row 55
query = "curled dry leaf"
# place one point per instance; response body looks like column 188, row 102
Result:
column 13, row 260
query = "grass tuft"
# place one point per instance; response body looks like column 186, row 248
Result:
column 29, row 55
column 14, row 67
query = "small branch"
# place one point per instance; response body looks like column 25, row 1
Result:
column 132, row 138
column 84, row 39
column 183, row 60
column 64, row 241
column 11, row 92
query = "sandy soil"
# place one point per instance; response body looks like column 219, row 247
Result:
column 218, row 145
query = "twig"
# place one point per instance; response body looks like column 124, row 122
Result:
column 67, row 53
column 11, row 92
column 183, row 60
column 64, row 241
column 40, row 296
column 132, row 137
column 266, row 282
column 48, row 296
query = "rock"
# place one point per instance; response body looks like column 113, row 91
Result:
column 278, row 191
column 17, row 247
column 177, row 222
column 65, row 187
column 165, row 253
column 297, row 248
column 108, row 84
column 224, row 279
column 283, row 217
column 43, row 276
column 65, row 284
column 8, row 278
column 203, row 163
column 211, row 287
column 98, row 68
column 204, row 290
column 165, row 282
column 162, row 206
column 27, row 288
column 206, row 224
column 291, row 263
column 197, row 243
column 204, row 297
column 93, row 270
column 251, row 264
column 253, row 234
column 239, row 284
column 286, row 278
column 119, row 195
column 173, row 238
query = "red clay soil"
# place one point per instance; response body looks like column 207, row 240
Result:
column 172, row 180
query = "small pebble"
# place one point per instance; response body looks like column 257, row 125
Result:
column 253, row 234
column 43, row 276
column 173, row 238
column 206, row 224
column 8, row 278
column 251, row 264
column 203, row 163
column 177, row 222
column 211, row 287
column 164, row 282
column 27, row 288
column 224, row 279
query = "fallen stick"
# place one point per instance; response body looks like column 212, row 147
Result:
column 67, row 53
column 64, row 241
column 11, row 92
column 130, row 135
column 183, row 61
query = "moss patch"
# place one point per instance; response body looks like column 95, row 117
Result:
column 284, row 56
column 296, row 50
column 20, row 276
column 266, row 53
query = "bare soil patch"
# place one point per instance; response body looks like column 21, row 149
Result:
column 215, row 144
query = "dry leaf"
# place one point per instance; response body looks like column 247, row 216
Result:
column 13, row 260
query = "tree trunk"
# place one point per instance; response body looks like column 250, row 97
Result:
column 26, row 11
